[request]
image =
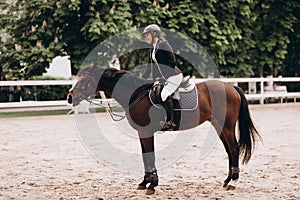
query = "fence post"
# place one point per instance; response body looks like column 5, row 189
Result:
column 262, row 90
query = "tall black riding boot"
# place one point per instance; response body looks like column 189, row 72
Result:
column 170, row 114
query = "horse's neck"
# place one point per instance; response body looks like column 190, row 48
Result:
column 121, row 90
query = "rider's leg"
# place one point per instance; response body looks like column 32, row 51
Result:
column 171, row 86
column 168, row 104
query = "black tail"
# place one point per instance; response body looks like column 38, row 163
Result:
column 248, row 132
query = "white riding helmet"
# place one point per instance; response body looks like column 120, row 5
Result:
column 152, row 28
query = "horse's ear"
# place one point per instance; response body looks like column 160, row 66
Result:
column 85, row 70
column 93, row 70
column 111, row 72
column 98, row 70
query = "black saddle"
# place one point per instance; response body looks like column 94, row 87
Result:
column 154, row 95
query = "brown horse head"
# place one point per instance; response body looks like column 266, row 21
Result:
column 86, row 85
column 95, row 78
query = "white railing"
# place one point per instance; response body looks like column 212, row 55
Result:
column 271, row 92
column 24, row 104
column 37, row 82
column 50, row 103
column 261, row 96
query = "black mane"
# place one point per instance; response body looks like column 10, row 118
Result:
column 112, row 74
column 135, row 84
column 116, row 75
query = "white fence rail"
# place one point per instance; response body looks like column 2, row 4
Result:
column 267, row 87
column 261, row 96
column 27, row 104
column 37, row 82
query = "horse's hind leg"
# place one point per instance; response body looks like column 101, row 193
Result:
column 227, row 136
column 233, row 156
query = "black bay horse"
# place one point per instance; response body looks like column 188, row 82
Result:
column 220, row 103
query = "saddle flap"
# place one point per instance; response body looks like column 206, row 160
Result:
column 154, row 95
column 188, row 99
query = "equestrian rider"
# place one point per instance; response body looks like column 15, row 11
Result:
column 162, row 64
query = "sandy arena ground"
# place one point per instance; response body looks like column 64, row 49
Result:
column 43, row 158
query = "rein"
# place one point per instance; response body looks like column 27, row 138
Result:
column 111, row 113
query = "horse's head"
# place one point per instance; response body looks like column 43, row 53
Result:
column 90, row 79
column 86, row 86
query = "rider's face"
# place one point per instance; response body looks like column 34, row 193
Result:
column 148, row 38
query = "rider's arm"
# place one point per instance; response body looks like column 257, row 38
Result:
column 148, row 70
column 167, row 56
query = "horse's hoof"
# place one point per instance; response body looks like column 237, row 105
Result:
column 150, row 191
column 230, row 187
column 235, row 177
column 228, row 179
column 141, row 187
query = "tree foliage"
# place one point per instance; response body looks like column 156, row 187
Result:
column 243, row 37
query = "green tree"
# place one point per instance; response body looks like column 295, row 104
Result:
column 291, row 65
column 39, row 30
column 235, row 31
column 222, row 28
column 244, row 37
column 275, row 22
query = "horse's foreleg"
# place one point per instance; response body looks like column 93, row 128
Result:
column 147, row 144
column 150, row 171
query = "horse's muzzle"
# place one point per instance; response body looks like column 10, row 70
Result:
column 74, row 100
column 70, row 97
